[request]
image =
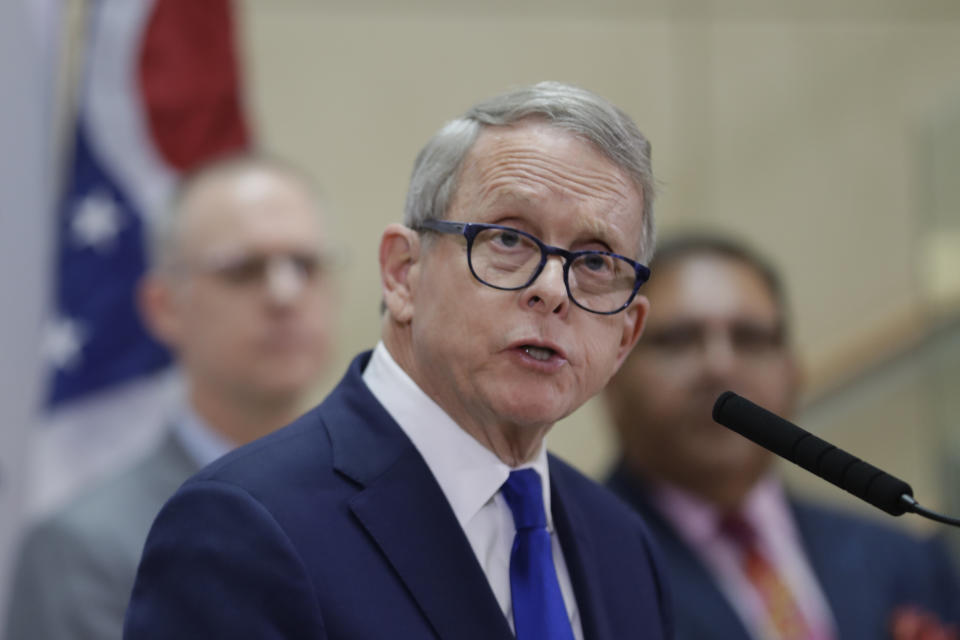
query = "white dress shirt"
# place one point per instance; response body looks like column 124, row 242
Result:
column 470, row 476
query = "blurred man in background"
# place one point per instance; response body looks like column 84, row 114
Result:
column 239, row 292
column 744, row 558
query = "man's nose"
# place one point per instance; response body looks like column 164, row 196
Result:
column 719, row 354
column 285, row 281
column 548, row 289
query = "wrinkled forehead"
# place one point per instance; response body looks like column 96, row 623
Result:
column 524, row 163
column 538, row 141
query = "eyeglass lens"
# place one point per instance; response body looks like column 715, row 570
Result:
column 252, row 269
column 506, row 259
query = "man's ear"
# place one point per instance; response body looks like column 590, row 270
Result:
column 159, row 309
column 635, row 318
column 399, row 268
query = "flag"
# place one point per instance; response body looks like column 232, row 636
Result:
column 159, row 93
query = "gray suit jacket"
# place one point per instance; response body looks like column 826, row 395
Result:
column 76, row 568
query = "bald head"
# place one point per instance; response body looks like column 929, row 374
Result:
column 215, row 194
column 240, row 293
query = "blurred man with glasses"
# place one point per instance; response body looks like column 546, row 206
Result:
column 239, row 291
column 418, row 500
column 745, row 559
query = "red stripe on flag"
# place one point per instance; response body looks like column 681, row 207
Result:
column 190, row 78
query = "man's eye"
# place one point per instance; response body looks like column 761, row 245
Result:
column 243, row 271
column 597, row 263
column 306, row 264
column 674, row 339
column 507, row 239
column 756, row 339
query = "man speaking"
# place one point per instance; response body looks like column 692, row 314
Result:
column 418, row 500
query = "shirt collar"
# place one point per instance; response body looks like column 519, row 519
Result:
column 693, row 518
column 201, row 442
column 698, row 521
column 767, row 509
column 469, row 474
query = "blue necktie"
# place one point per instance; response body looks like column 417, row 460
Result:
column 538, row 609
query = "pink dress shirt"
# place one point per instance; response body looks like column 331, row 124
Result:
column 767, row 510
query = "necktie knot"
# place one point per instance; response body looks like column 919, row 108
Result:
column 524, row 495
column 736, row 528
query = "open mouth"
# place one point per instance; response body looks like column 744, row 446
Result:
column 538, row 353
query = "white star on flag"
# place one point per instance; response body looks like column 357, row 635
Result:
column 62, row 343
column 96, row 221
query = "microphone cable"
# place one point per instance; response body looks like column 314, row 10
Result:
column 914, row 507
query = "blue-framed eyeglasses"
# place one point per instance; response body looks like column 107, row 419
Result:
column 509, row 259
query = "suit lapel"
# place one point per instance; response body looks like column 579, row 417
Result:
column 404, row 511
column 408, row 516
column 700, row 608
column 578, row 552
column 835, row 560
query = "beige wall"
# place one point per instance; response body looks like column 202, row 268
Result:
column 797, row 126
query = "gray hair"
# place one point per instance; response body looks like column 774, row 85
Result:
column 564, row 106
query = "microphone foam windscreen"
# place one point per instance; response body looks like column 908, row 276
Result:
column 817, row 456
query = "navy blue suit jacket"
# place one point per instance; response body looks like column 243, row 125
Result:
column 334, row 527
column 865, row 570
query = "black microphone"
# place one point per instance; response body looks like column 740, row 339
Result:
column 834, row 465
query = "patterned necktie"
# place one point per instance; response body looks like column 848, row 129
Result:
column 538, row 609
column 784, row 613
